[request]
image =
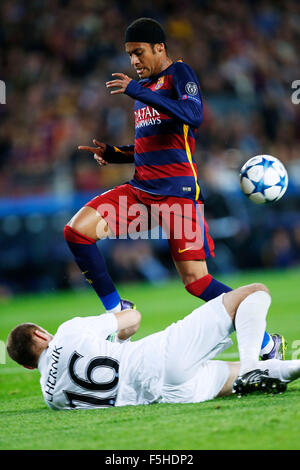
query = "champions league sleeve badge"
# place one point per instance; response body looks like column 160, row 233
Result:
column 191, row 88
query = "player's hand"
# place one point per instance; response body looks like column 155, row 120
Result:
column 98, row 151
column 120, row 82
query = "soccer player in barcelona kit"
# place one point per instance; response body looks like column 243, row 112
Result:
column 168, row 110
column 82, row 366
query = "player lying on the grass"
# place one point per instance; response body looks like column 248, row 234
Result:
column 82, row 367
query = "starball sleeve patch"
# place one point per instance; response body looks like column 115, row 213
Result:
column 191, row 88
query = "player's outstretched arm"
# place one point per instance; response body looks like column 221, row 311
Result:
column 104, row 153
column 128, row 323
column 186, row 108
column 189, row 112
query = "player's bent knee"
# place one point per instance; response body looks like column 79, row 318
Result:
column 260, row 287
column 89, row 223
column 251, row 288
column 136, row 316
column 233, row 299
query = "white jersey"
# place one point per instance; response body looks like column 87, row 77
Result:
column 82, row 369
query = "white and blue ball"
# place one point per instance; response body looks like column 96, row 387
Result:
column 263, row 179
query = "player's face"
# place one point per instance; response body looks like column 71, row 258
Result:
column 145, row 59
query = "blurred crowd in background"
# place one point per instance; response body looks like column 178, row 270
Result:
column 56, row 56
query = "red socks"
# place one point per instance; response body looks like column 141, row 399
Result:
column 197, row 287
column 73, row 236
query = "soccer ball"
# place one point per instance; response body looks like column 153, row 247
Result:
column 263, row 179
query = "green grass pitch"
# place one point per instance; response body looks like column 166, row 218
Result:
column 253, row 422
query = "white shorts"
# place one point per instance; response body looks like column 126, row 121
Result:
column 189, row 374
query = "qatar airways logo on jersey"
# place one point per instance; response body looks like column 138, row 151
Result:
column 146, row 116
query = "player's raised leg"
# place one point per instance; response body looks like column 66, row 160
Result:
column 101, row 217
column 248, row 306
column 81, row 234
column 203, row 334
column 200, row 283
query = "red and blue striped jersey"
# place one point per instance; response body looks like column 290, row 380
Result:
column 167, row 110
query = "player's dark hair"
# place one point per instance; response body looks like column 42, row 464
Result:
column 153, row 50
column 146, row 30
column 20, row 344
